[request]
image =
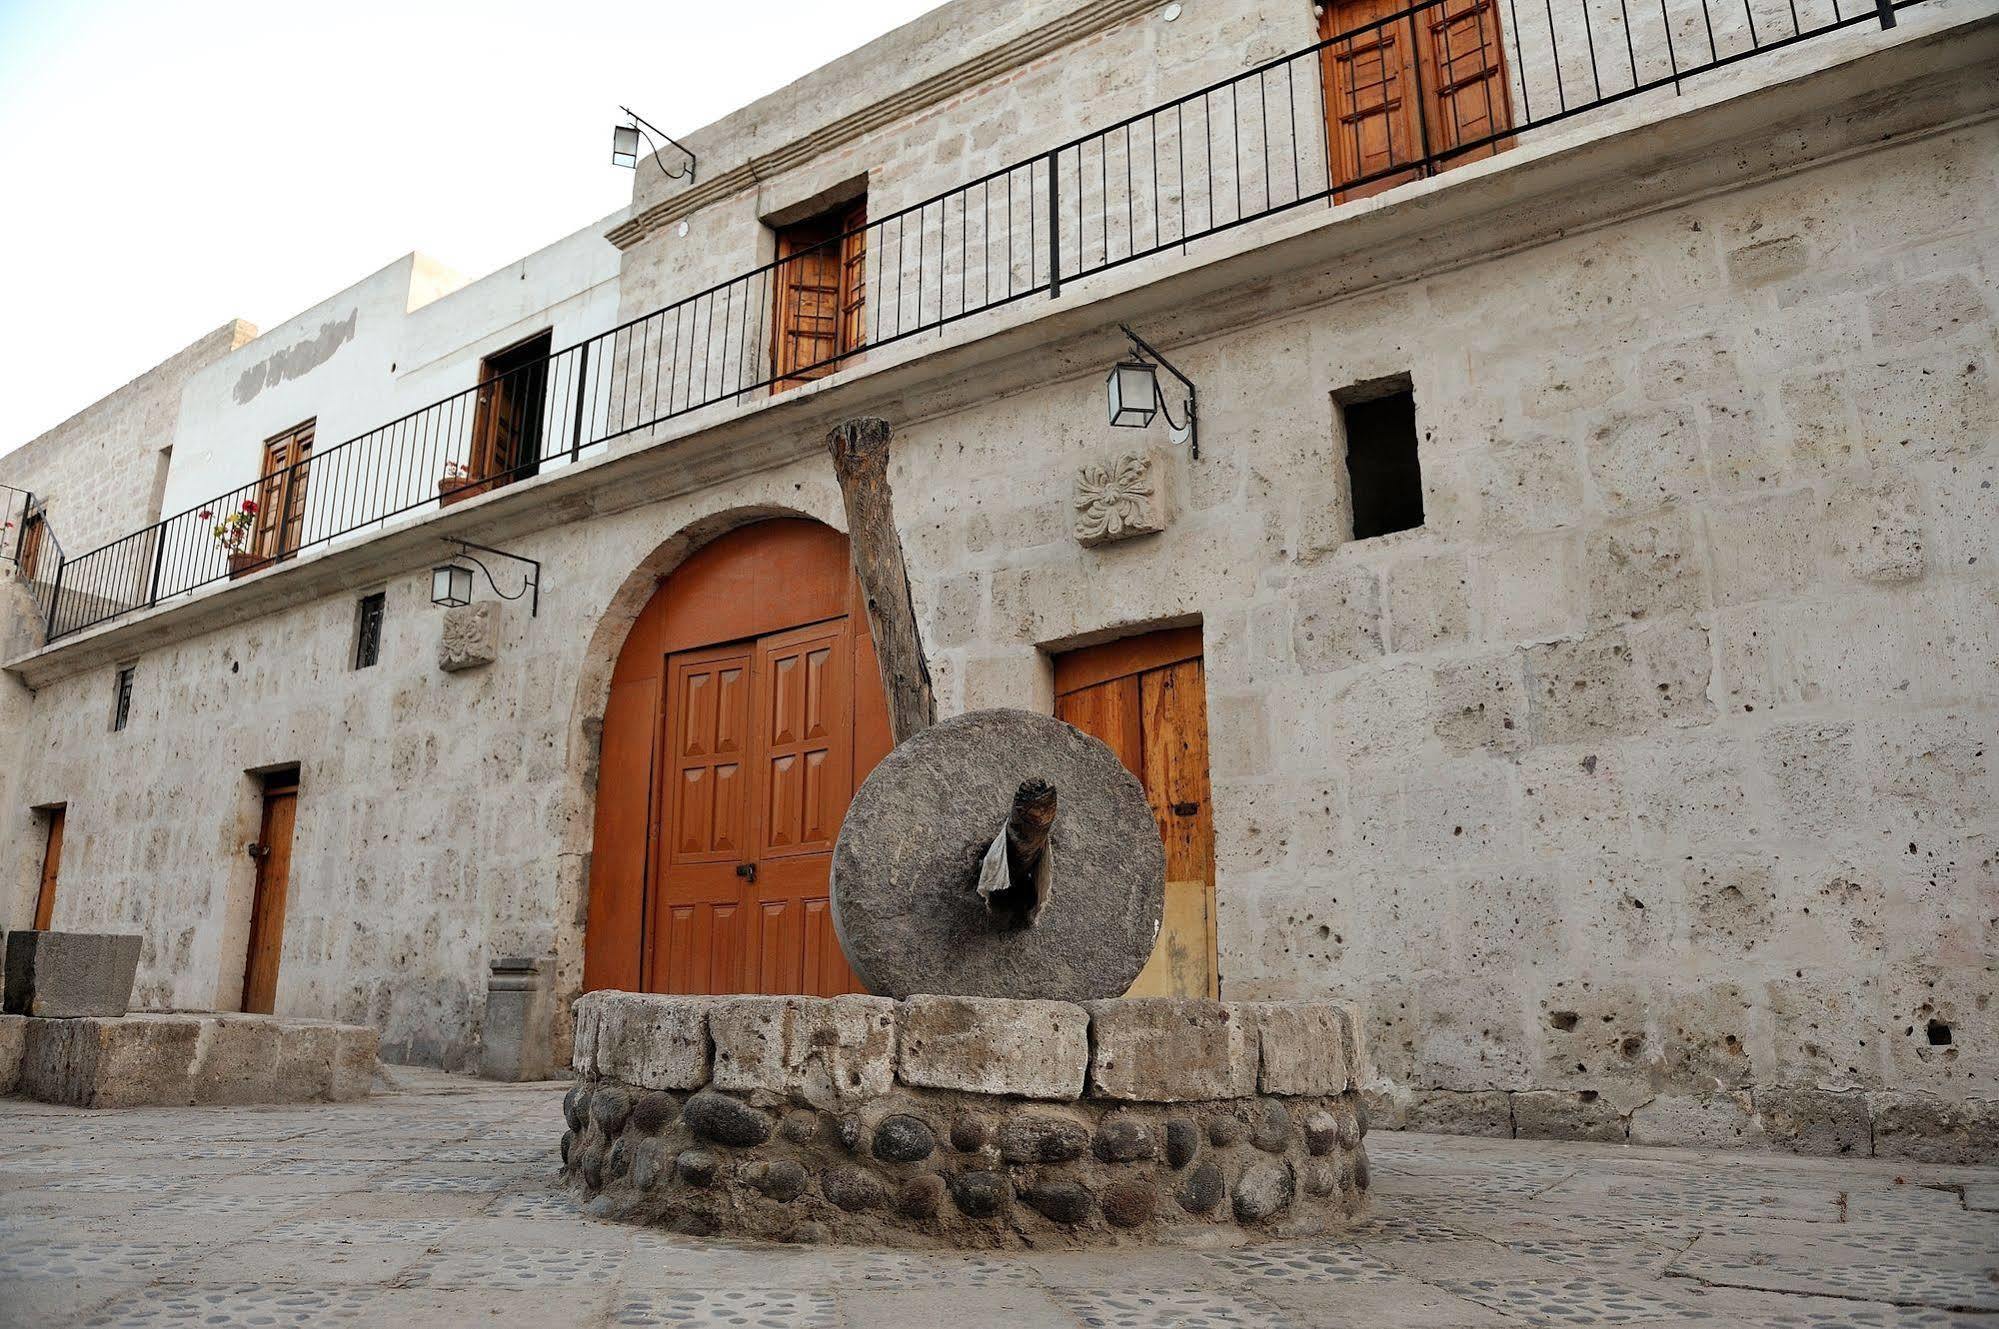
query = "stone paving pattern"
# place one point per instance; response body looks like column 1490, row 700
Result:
column 439, row 1204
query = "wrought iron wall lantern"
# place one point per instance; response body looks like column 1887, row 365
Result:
column 451, row 583
column 625, row 145
column 1135, row 395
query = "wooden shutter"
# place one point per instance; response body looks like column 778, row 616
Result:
column 28, row 554
column 280, row 520
column 821, row 294
column 1414, row 86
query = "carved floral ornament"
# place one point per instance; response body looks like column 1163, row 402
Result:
column 1117, row 499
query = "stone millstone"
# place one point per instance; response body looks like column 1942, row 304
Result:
column 905, row 900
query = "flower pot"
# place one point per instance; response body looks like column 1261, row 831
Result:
column 455, row 489
column 241, row 565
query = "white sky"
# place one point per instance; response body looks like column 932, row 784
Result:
column 167, row 165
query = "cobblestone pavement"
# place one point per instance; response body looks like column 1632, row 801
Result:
column 437, row 1205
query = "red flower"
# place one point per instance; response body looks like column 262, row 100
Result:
column 203, row 515
column 249, row 505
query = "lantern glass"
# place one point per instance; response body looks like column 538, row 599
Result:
column 451, row 585
column 1134, row 394
column 625, row 145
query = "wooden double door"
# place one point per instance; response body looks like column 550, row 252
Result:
column 745, row 708
column 1146, row 698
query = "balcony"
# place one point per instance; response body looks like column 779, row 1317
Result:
column 1375, row 105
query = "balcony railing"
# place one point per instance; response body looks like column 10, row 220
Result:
column 1394, row 99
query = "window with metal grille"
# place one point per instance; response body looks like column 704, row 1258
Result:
column 368, row 630
column 121, row 710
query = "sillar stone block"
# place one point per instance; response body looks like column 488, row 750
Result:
column 655, row 1042
column 177, row 1059
column 13, row 1042
column 826, row 1051
column 1303, row 1046
column 69, row 974
column 1171, row 1050
column 470, row 637
column 995, row 1045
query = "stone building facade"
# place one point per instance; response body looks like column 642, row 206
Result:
column 1642, row 788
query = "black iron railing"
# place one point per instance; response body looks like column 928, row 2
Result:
column 1394, row 99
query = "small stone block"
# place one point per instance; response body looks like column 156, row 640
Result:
column 825, row 1050
column 179, row 1059
column 13, row 1043
column 470, row 637
column 995, row 1045
column 65, row 975
column 643, row 1039
column 1171, row 1050
column 1303, row 1046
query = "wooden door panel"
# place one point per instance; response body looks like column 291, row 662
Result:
column 709, row 709
column 1155, row 719
column 268, row 904
column 699, row 947
column 1465, row 67
column 45, row 895
column 803, row 678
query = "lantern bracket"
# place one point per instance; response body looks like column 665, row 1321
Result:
column 1187, row 432
column 530, row 580
column 648, row 128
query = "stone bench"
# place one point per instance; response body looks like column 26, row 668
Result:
column 956, row 1121
column 176, row 1058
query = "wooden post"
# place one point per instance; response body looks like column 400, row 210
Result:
column 860, row 459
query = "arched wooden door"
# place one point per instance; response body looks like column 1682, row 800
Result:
column 745, row 708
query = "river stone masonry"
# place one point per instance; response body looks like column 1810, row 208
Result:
column 968, row 1121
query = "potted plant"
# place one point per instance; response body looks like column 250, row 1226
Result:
column 233, row 533
column 457, row 482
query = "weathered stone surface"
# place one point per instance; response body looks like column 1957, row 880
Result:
column 1203, row 1189
column 652, row 1112
column 1128, row 1204
column 1262, row 1191
column 1936, row 1131
column 1322, row 1133
column 1813, row 1121
column 991, row 1045
column 920, row 1197
column 980, row 1194
column 1224, row 1130
column 576, row 1104
column 609, row 1107
column 1171, row 1049
column 798, row 1127
column 1303, row 1046
column 901, row 1138
column 1183, row 1140
column 1122, row 1138
column 1272, row 1130
column 1545, row 1114
column 469, row 637
column 13, row 1045
column 904, row 868
column 781, row 1179
column 135, row 1060
column 853, row 1188
column 725, row 1120
column 826, row 1051
column 697, row 1167
column 1032, row 1137
column 69, row 974
column 644, row 1039
column 1063, row 1202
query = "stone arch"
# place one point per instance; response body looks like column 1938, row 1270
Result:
column 604, row 717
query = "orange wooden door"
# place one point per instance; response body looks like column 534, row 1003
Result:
column 267, row 907
column 1146, row 698
column 45, row 897
column 804, row 780
column 702, row 829
column 280, row 521
column 1401, row 90
column 28, row 553
column 745, row 707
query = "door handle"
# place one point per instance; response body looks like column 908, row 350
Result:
column 747, row 871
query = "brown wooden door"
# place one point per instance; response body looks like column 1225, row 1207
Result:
column 507, row 419
column 28, row 553
column 267, row 905
column 279, row 524
column 820, row 283
column 1146, row 698
column 45, row 897
column 1399, row 92
column 745, row 707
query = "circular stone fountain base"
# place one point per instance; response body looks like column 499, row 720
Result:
column 967, row 1122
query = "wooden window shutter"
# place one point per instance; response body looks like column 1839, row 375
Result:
column 819, row 285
